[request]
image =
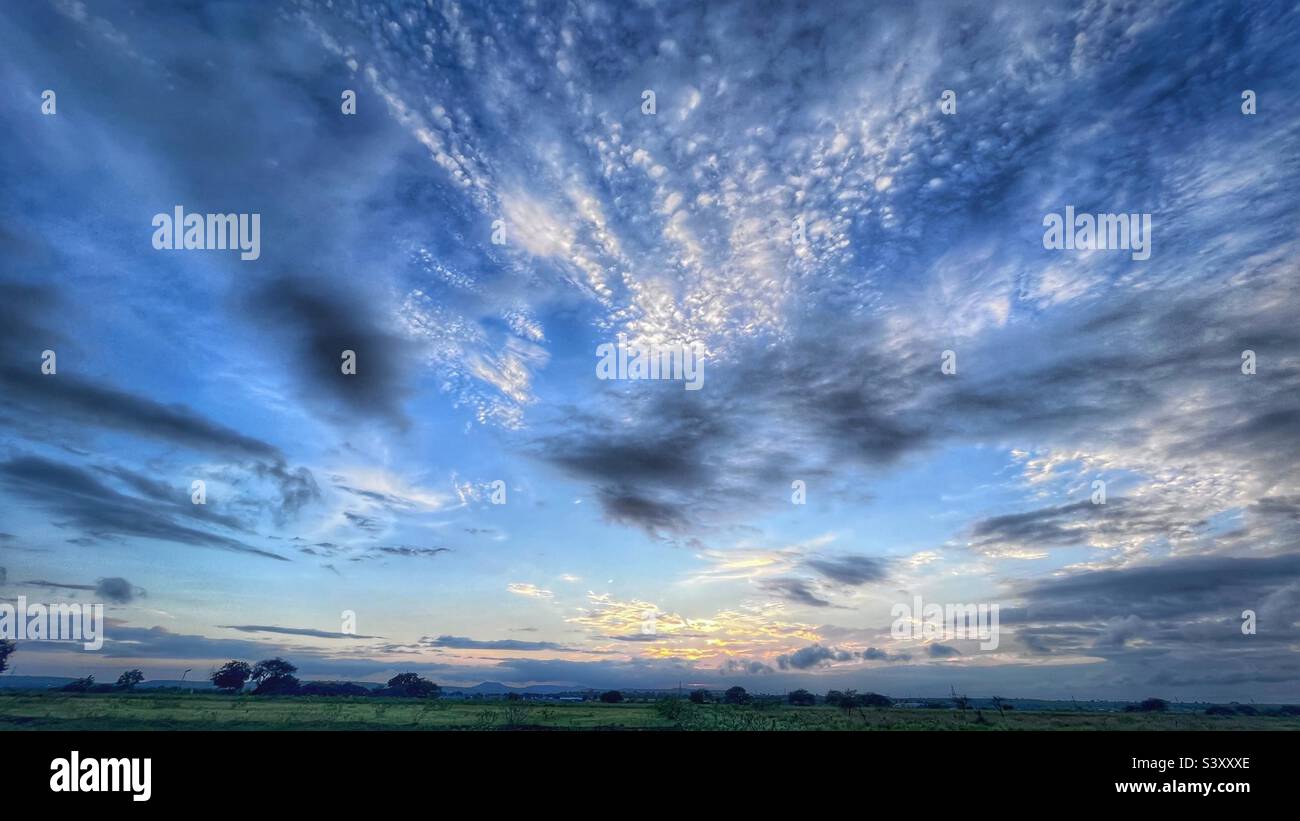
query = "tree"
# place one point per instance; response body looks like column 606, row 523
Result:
column 875, row 700
column 274, row 677
column 962, row 702
column 129, row 679
column 272, row 668
column 232, row 676
column 736, row 695
column 6, row 647
column 611, row 697
column 834, row 697
column 1000, row 703
column 81, row 685
column 699, row 696
column 848, row 701
column 802, row 698
column 411, row 685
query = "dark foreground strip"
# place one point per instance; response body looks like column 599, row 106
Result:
column 572, row 773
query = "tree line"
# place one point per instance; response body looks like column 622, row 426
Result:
column 275, row 677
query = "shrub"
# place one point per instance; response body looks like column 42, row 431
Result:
column 700, row 696
column 333, row 688
column 284, row 685
column 670, row 708
column 1150, row 705
column 611, row 697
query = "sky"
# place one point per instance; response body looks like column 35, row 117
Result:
column 797, row 199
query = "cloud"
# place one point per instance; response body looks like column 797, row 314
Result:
column 876, row 654
column 531, row 591
column 849, row 570
column 923, row 234
column 796, row 590
column 114, row 589
column 463, row 643
column 814, row 655
column 319, row 324
column 101, row 512
column 941, row 651
column 293, row 631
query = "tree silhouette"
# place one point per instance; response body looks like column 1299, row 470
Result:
column 411, row 685
column 274, row 677
column 6, row 647
column 232, row 676
column 272, row 668
column 802, row 698
column 736, row 695
column 129, row 679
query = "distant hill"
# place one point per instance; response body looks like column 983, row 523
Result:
column 48, row 682
column 496, row 688
column 32, row 682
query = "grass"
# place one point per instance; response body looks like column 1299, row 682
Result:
column 171, row 711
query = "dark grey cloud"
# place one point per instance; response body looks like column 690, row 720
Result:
column 71, row 400
column 320, row 320
column 86, row 503
column 1182, row 588
column 294, row 631
column 748, row 667
column 407, row 551
column 79, row 401
column 796, row 590
column 363, row 522
column 1078, row 523
column 56, row 408
column 876, row 654
column 941, row 651
column 464, row 643
column 853, row 571
column 173, row 498
column 814, row 655
column 669, row 460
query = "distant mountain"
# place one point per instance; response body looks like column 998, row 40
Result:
column 47, row 682
column 32, row 682
column 496, row 688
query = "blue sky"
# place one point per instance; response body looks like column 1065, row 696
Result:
column 372, row 493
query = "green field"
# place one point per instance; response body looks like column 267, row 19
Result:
column 168, row 711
